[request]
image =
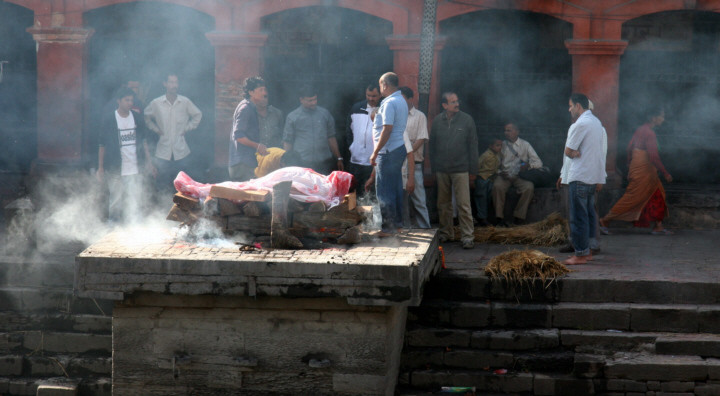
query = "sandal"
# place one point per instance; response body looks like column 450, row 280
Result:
column 604, row 230
column 664, row 231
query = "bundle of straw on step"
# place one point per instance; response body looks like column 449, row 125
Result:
column 551, row 231
column 518, row 266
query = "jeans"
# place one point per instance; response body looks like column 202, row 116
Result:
column 583, row 219
column 565, row 203
column 388, row 186
column 482, row 196
column 415, row 204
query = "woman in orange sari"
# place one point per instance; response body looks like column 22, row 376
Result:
column 644, row 198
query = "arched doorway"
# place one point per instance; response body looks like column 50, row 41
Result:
column 18, row 91
column 337, row 49
column 673, row 59
column 144, row 41
column 511, row 65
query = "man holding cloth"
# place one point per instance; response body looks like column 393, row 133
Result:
column 389, row 153
column 586, row 174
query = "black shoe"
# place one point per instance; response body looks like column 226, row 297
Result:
column 481, row 223
column 595, row 251
column 569, row 248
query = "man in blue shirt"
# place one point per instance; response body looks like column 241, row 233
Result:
column 388, row 129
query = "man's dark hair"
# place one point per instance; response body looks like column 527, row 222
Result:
column 373, row 86
column 250, row 84
column 390, row 79
column 654, row 112
column 123, row 92
column 445, row 96
column 580, row 99
column 407, row 92
column 513, row 123
column 307, row 91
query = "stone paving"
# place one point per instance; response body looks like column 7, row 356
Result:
column 626, row 254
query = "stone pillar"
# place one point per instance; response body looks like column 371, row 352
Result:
column 61, row 72
column 596, row 73
column 238, row 55
column 406, row 63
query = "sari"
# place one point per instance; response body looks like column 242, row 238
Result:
column 644, row 198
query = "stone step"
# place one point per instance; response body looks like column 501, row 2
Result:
column 34, row 366
column 652, row 367
column 462, row 358
column 531, row 339
column 50, row 299
column 680, row 318
column 58, row 342
column 22, row 386
column 705, row 345
column 12, row 322
column 474, row 285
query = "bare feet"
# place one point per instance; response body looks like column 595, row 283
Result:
column 577, row 260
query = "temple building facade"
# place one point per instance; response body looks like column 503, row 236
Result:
column 507, row 60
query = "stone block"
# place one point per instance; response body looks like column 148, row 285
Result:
column 57, row 387
column 562, row 386
column 470, row 315
column 653, row 385
column 707, row 318
column 521, row 315
column 477, row 359
column 588, row 366
column 438, row 337
column 677, row 386
column 626, row 385
column 11, row 365
column 591, row 316
column 707, row 390
column 420, row 358
column 673, row 318
column 22, row 387
column 515, row 339
column 657, row 368
column 359, row 384
column 713, row 367
column 41, row 366
column 429, row 378
column 67, row 342
column 617, row 340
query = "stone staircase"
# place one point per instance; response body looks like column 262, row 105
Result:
column 51, row 343
column 575, row 337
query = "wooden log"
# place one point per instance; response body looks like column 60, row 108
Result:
column 180, row 215
column 280, row 237
column 227, row 208
column 351, row 236
column 317, row 207
column 295, row 206
column 365, row 211
column 185, row 202
column 253, row 209
column 349, row 202
column 255, row 225
column 239, row 195
column 331, row 219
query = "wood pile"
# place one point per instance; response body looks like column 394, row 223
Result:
column 274, row 213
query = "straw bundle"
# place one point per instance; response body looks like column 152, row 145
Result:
column 551, row 231
column 519, row 266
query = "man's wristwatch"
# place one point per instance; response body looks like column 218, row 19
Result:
column 340, row 158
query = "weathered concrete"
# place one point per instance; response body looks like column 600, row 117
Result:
column 217, row 320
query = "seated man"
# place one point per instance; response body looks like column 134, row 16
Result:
column 517, row 155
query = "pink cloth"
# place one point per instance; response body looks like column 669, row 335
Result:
column 307, row 185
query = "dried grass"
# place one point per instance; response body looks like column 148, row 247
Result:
column 521, row 266
column 551, row 231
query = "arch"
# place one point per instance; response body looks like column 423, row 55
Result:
column 249, row 15
column 635, row 9
column 555, row 8
column 217, row 9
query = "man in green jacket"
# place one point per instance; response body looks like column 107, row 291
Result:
column 454, row 160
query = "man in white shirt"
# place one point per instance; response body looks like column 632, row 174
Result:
column 585, row 175
column 517, row 155
column 359, row 136
column 417, row 132
column 171, row 116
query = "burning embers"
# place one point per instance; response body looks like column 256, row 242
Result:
column 260, row 213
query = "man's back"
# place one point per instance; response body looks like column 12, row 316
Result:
column 586, row 136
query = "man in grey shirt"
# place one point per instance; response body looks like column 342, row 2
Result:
column 310, row 131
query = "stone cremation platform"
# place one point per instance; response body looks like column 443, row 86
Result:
column 197, row 319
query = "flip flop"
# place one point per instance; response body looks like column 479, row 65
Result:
column 604, row 230
column 664, row 231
